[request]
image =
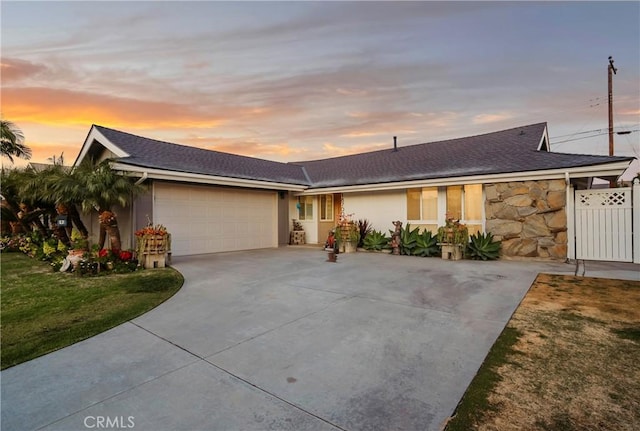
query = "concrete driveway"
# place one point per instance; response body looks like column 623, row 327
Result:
column 281, row 340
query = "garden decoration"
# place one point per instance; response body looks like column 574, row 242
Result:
column 331, row 247
column 453, row 237
column 349, row 234
column 297, row 236
column 153, row 244
column 395, row 238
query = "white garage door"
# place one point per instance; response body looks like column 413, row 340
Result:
column 204, row 219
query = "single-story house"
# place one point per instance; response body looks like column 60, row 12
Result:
column 506, row 182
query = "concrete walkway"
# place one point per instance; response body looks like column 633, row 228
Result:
column 282, row 340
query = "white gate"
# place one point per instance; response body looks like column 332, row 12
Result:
column 604, row 224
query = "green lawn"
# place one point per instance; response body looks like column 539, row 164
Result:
column 43, row 311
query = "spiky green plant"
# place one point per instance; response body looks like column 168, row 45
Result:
column 408, row 240
column 483, row 247
column 376, row 241
column 426, row 245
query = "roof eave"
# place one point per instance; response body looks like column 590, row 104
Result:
column 167, row 175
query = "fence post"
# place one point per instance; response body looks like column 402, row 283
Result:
column 635, row 209
column 571, row 223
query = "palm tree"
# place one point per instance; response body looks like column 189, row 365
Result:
column 46, row 187
column 98, row 186
column 12, row 141
column 19, row 207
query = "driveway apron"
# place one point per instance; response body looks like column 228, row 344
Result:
column 280, row 339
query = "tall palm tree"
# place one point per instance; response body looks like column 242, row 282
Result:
column 98, row 186
column 12, row 141
column 46, row 188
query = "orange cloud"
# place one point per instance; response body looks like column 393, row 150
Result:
column 56, row 107
column 42, row 152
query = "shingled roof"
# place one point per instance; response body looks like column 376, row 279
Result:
column 506, row 151
column 150, row 153
column 503, row 152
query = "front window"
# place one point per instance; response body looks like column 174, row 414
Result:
column 462, row 203
column 422, row 207
column 326, row 207
column 305, row 208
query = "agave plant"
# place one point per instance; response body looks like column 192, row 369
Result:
column 426, row 245
column 408, row 240
column 483, row 247
column 375, row 240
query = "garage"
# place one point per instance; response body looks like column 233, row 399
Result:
column 210, row 219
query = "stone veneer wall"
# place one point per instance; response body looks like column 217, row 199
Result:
column 529, row 217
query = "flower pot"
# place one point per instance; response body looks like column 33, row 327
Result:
column 451, row 251
column 350, row 246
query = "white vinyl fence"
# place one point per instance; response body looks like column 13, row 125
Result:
column 604, row 220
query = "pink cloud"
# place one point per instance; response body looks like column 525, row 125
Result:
column 14, row 69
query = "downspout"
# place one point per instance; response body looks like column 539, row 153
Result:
column 132, row 238
column 145, row 175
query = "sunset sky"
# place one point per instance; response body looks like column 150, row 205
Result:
column 303, row 80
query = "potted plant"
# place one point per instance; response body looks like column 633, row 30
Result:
column 152, row 244
column 348, row 233
column 453, row 237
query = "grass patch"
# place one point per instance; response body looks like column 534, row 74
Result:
column 43, row 311
column 567, row 360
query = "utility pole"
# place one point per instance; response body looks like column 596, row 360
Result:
column 611, row 68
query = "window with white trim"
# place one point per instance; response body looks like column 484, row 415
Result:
column 430, row 206
column 305, row 207
column 326, row 207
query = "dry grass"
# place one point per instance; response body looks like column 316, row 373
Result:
column 576, row 362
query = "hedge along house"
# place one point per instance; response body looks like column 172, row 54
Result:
column 507, row 182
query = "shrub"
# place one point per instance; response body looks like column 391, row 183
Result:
column 426, row 245
column 483, row 247
column 376, row 241
column 364, row 227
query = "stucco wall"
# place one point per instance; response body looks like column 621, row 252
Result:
column 380, row 208
column 529, row 217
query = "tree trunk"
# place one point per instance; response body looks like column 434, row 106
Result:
column 109, row 225
column 62, row 236
column 114, row 237
column 76, row 221
column 59, row 231
column 103, row 236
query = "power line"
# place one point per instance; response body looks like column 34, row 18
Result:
column 588, row 137
column 624, row 129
